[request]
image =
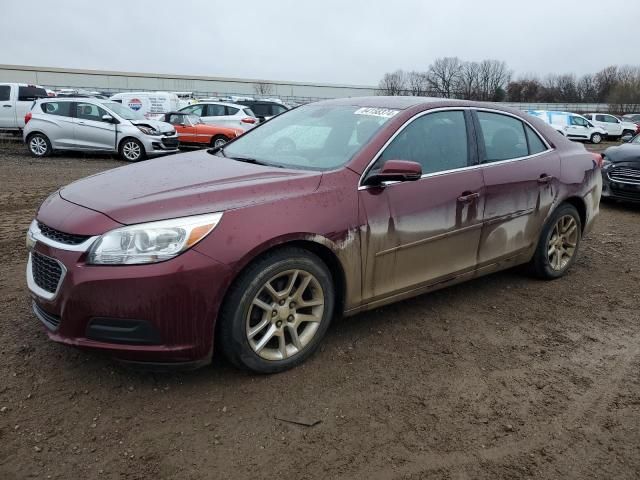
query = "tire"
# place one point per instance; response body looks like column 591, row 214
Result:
column 39, row 145
column 256, row 327
column 545, row 265
column 218, row 141
column 596, row 138
column 131, row 150
column 627, row 132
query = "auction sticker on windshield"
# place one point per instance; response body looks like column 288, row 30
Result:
column 376, row 112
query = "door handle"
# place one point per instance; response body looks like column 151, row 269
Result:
column 6, row 106
column 468, row 197
column 544, row 178
column 80, row 123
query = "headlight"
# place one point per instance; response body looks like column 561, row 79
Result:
column 151, row 242
column 148, row 130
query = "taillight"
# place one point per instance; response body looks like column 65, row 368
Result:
column 27, row 117
column 598, row 158
column 248, row 120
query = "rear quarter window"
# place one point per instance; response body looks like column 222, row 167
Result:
column 504, row 137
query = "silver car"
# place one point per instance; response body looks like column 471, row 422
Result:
column 223, row 114
column 90, row 124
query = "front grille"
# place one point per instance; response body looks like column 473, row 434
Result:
column 625, row 175
column 170, row 142
column 50, row 320
column 46, row 272
column 626, row 194
column 61, row 237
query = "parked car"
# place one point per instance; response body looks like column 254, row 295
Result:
column 264, row 109
column 151, row 105
column 193, row 132
column 571, row 125
column 223, row 114
column 621, row 171
column 311, row 215
column 89, row 124
column 15, row 101
column 614, row 127
column 632, row 117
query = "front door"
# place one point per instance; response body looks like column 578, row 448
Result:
column 426, row 231
column 578, row 128
column 7, row 108
column 91, row 132
column 521, row 180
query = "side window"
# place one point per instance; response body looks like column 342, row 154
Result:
column 536, row 145
column 89, row 111
column 62, row 109
column 503, row 136
column 261, row 109
column 5, row 92
column 600, row 118
column 195, row 109
column 437, row 141
column 214, row 110
column 579, row 121
column 248, row 112
column 611, row 119
column 26, row 94
column 231, row 110
column 176, row 119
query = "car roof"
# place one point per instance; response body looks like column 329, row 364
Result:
column 212, row 102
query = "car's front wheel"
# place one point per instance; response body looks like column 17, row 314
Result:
column 558, row 244
column 277, row 311
column 131, row 150
column 596, row 138
column 39, row 145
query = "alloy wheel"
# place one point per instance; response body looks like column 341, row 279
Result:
column 219, row 142
column 131, row 151
column 562, row 242
column 285, row 315
column 38, row 146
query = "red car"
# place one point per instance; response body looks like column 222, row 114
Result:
column 329, row 209
column 192, row 132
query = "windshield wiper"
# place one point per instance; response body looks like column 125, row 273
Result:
column 254, row 161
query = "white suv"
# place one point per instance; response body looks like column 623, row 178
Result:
column 615, row 127
column 223, row 114
column 89, row 124
column 571, row 125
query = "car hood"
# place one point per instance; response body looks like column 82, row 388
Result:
column 628, row 152
column 185, row 184
column 163, row 127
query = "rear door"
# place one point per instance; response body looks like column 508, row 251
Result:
column 91, row 132
column 57, row 123
column 7, row 107
column 215, row 114
column 578, row 128
column 520, row 174
column 613, row 126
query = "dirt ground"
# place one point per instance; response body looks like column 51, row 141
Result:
column 504, row 377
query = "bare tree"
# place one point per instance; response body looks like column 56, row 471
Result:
column 626, row 91
column 263, row 88
column 587, row 90
column 393, row 83
column 468, row 82
column 605, row 80
column 443, row 76
column 417, row 83
column 493, row 78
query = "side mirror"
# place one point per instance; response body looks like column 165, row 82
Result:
column 107, row 118
column 627, row 138
column 396, row 171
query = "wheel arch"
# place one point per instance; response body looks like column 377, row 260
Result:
column 127, row 137
column 580, row 206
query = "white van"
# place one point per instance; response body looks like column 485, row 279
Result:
column 571, row 125
column 16, row 100
column 151, row 105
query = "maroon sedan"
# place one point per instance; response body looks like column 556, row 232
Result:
column 330, row 209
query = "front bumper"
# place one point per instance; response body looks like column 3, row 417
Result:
column 160, row 144
column 159, row 313
column 619, row 190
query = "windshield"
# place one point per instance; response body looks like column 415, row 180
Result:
column 194, row 119
column 123, row 111
column 315, row 137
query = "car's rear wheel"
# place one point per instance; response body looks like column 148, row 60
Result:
column 131, row 150
column 39, row 145
column 277, row 312
column 596, row 138
column 627, row 132
column 218, row 141
column 558, row 244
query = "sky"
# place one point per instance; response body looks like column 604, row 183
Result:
column 328, row 41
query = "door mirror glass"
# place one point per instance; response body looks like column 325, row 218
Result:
column 395, row 171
